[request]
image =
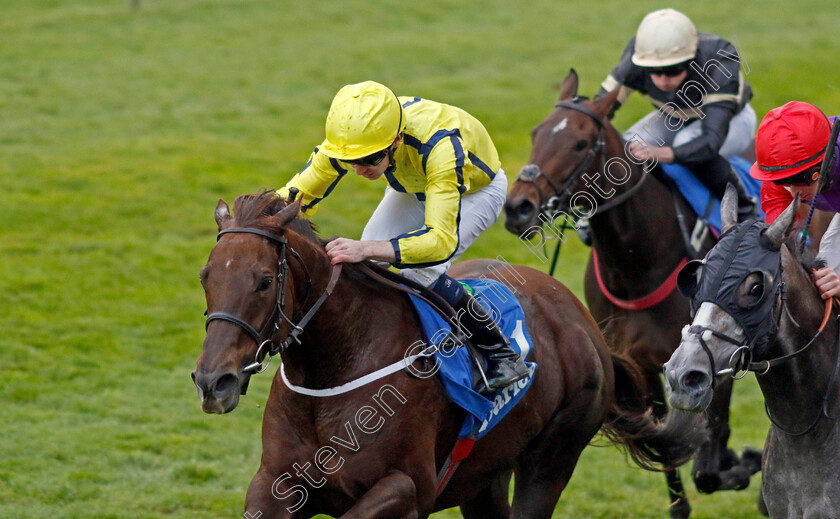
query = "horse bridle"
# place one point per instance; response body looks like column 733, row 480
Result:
column 531, row 172
column 741, row 359
column 267, row 347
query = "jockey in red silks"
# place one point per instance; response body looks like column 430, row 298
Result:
column 790, row 147
column 445, row 186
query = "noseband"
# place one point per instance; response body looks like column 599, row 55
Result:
column 267, row 346
column 742, row 361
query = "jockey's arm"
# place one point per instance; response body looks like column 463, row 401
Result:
column 345, row 250
column 618, row 79
column 315, row 181
column 706, row 146
column 714, row 127
column 828, row 282
column 437, row 240
column 827, row 279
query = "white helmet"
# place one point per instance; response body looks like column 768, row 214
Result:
column 665, row 37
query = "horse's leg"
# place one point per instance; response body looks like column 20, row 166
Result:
column 546, row 467
column 270, row 497
column 679, row 508
column 717, row 467
column 711, row 458
column 394, row 496
column 492, row 502
column 762, row 506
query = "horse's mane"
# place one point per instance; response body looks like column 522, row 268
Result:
column 808, row 258
column 254, row 211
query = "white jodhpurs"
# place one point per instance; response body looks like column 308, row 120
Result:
column 399, row 213
column 652, row 129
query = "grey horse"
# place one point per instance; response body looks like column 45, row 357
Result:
column 755, row 308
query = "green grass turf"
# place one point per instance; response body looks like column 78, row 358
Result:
column 121, row 128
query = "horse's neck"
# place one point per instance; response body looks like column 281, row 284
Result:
column 794, row 390
column 639, row 233
column 352, row 333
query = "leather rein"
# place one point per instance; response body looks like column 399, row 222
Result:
column 267, row 347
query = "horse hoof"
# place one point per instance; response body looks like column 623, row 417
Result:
column 680, row 509
column 737, row 478
column 707, row 483
column 751, row 459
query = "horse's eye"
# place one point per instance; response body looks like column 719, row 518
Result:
column 579, row 145
column 264, row 284
column 754, row 295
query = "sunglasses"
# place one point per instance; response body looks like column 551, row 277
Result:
column 804, row 179
column 371, row 160
column 672, row 71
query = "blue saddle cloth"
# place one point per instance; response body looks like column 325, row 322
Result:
column 454, row 367
column 704, row 203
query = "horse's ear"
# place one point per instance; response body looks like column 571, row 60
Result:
column 287, row 214
column 222, row 214
column 729, row 209
column 569, row 87
column 780, row 229
column 604, row 104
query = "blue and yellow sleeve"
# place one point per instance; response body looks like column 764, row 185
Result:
column 438, row 240
column 315, row 181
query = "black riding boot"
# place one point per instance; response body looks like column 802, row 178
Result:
column 718, row 172
column 504, row 366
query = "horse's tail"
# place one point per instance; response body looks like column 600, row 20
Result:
column 653, row 444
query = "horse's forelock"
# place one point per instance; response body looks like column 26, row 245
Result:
column 250, row 209
column 255, row 210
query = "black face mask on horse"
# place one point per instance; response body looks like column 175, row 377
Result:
column 727, row 266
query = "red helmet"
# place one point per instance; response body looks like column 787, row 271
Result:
column 790, row 139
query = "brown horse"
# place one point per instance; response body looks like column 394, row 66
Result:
column 635, row 220
column 375, row 451
column 765, row 316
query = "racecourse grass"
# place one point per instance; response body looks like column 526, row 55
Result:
column 120, row 129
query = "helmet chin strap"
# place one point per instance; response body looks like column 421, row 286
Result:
column 392, row 166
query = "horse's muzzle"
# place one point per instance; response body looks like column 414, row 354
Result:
column 689, row 387
column 520, row 214
column 218, row 392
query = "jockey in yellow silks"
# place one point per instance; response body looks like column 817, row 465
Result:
column 445, row 186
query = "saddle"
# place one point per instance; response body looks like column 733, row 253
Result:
column 456, row 337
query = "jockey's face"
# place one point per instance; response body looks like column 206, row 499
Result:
column 806, row 189
column 668, row 83
column 375, row 172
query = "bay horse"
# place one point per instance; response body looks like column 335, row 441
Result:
column 642, row 232
column 761, row 312
column 375, row 451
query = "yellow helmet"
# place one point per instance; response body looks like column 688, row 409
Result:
column 364, row 118
column 664, row 38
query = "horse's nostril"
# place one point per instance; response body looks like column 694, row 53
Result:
column 695, row 381
column 520, row 211
column 226, row 383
